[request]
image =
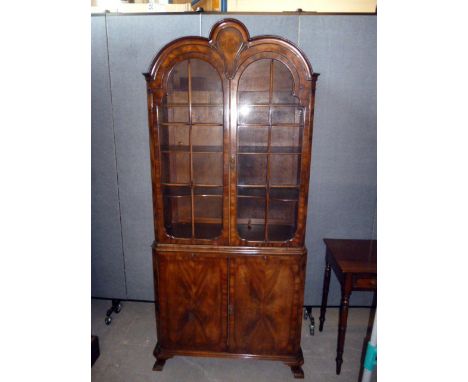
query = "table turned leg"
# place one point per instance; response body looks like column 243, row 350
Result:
column 345, row 293
column 326, row 287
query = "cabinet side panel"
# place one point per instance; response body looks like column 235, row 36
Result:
column 192, row 302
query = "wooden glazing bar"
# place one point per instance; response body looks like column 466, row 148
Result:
column 262, row 197
column 271, row 186
column 190, row 145
column 270, row 98
column 190, row 124
column 265, row 153
column 183, row 149
column 196, row 105
column 268, row 105
column 266, row 125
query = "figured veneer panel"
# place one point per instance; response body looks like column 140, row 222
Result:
column 263, row 294
column 192, row 301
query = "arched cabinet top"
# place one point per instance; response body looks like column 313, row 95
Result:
column 228, row 49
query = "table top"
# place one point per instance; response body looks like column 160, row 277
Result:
column 356, row 256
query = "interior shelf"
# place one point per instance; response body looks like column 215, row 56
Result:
column 256, row 232
column 273, row 150
column 195, row 149
column 202, row 230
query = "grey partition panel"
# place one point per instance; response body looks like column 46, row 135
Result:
column 342, row 200
column 133, row 42
column 343, row 192
column 284, row 26
column 107, row 267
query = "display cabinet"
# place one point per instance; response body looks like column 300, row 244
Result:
column 230, row 121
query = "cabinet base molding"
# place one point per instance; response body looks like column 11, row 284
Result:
column 293, row 361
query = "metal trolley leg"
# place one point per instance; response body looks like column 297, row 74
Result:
column 116, row 307
column 308, row 315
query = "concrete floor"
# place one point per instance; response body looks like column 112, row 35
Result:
column 127, row 351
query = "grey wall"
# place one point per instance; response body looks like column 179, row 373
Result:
column 107, row 272
column 342, row 201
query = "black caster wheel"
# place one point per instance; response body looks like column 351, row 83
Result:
column 312, row 326
column 118, row 308
column 108, row 320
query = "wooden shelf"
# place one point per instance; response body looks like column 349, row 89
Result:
column 264, row 150
column 202, row 230
column 195, row 149
column 193, row 105
column 256, row 232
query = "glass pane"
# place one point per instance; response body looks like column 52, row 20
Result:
column 207, row 138
column 282, row 84
column 177, row 211
column 251, row 169
column 175, row 167
column 253, row 115
column 286, row 139
column 254, row 84
column 269, row 149
column 208, row 168
column 174, row 137
column 208, row 191
column 178, row 114
column 251, row 213
column 208, row 214
column 204, row 114
column 177, row 85
column 282, row 218
column 291, row 194
column 286, row 114
column 284, row 169
column 206, row 83
column 253, row 139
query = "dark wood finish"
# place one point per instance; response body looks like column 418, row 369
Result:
column 355, row 265
column 266, row 291
column 193, row 301
column 230, row 163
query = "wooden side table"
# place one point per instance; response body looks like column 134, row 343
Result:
column 355, row 265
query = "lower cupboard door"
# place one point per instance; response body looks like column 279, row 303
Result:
column 192, row 292
column 266, row 297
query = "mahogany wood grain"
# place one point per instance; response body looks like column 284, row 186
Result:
column 228, row 262
column 355, row 264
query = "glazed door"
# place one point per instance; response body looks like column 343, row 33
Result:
column 192, row 291
column 265, row 295
column 268, row 146
column 190, row 127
